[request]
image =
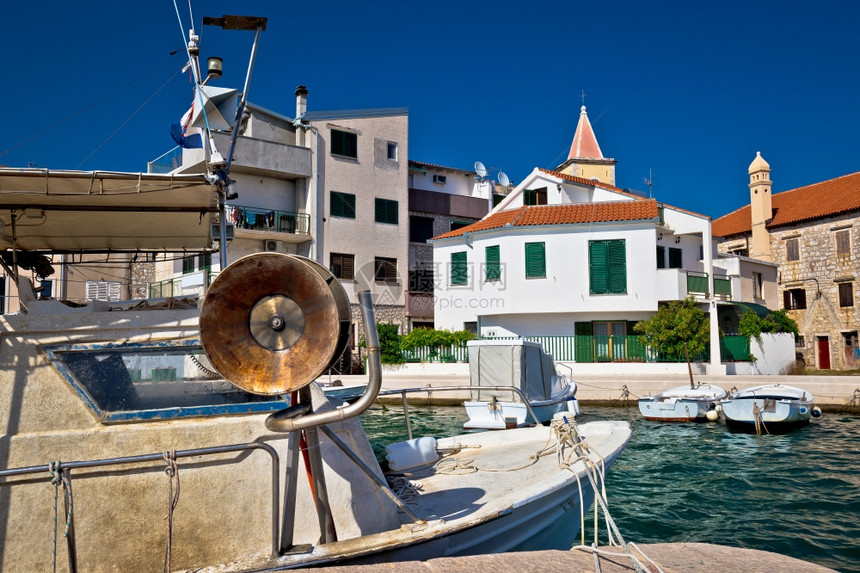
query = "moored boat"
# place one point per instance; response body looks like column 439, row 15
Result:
column 531, row 375
column 683, row 404
column 769, row 408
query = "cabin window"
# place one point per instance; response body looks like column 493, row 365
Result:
column 386, row 211
column 459, row 270
column 535, row 260
column 607, row 264
column 344, row 143
column 342, row 205
column 167, row 380
column 493, row 264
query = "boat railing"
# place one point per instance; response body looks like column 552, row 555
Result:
column 404, row 391
column 47, row 473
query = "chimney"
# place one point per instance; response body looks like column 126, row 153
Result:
column 301, row 101
column 761, row 210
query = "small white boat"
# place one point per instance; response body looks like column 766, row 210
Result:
column 769, row 407
column 346, row 392
column 524, row 367
column 683, row 404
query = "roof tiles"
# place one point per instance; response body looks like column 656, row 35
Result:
column 815, row 201
column 539, row 215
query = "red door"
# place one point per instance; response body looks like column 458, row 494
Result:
column 823, row 353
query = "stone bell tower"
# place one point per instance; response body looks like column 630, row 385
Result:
column 761, row 211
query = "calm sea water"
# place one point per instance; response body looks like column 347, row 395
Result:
column 796, row 494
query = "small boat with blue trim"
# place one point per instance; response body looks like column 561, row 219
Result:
column 769, row 408
column 683, row 404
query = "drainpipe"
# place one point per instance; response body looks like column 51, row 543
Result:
column 301, row 108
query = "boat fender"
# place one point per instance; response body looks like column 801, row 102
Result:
column 718, row 408
column 816, row 412
column 411, row 453
column 803, row 410
column 712, row 415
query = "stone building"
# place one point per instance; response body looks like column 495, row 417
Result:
column 813, row 233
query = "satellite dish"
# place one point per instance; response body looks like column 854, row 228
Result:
column 503, row 179
column 480, row 169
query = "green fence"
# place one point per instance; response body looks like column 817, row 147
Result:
column 621, row 348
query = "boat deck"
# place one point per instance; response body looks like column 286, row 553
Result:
column 671, row 557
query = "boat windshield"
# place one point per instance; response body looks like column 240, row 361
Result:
column 157, row 380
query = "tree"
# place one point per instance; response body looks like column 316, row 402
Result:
column 436, row 340
column 389, row 343
column 777, row 321
column 675, row 325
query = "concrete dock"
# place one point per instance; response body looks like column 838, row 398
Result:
column 670, row 557
column 832, row 393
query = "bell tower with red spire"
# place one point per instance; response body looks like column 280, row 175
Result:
column 585, row 158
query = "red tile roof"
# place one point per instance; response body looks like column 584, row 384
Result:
column 535, row 215
column 815, row 201
column 589, row 182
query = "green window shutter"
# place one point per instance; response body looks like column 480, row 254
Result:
column 493, row 264
column 676, row 258
column 529, row 196
column 459, row 274
column 187, row 265
column 617, row 270
column 607, row 267
column 597, row 274
column 386, row 211
column 583, row 346
column 661, row 257
column 342, row 205
column 535, row 260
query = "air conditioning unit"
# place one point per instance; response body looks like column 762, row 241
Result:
column 273, row 246
column 440, row 178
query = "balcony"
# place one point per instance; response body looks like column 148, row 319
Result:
column 279, row 160
column 678, row 284
column 289, row 225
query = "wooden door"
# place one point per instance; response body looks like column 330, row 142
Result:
column 823, row 353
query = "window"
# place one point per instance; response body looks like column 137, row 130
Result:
column 757, row 285
column 420, row 229
column 187, row 265
column 391, row 151
column 386, row 211
column 676, row 258
column 385, row 270
column 100, row 290
column 661, row 257
column 799, row 341
column 843, row 243
column 534, row 196
column 794, row 299
column 344, row 143
column 342, row 266
column 792, row 249
column 342, row 205
column 535, row 260
column 459, row 271
column 493, row 265
column 442, row 179
column 607, row 265
column 846, row 294
column 205, row 262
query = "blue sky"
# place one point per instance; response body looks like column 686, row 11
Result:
column 688, row 90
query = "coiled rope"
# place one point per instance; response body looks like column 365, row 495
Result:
column 172, row 471
column 759, row 421
column 60, row 477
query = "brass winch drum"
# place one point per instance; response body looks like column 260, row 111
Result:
column 272, row 323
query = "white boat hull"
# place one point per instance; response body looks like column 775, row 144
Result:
column 776, row 406
column 682, row 404
column 502, row 415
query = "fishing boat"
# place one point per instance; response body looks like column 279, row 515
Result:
column 686, row 403
column 533, row 390
column 769, row 408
